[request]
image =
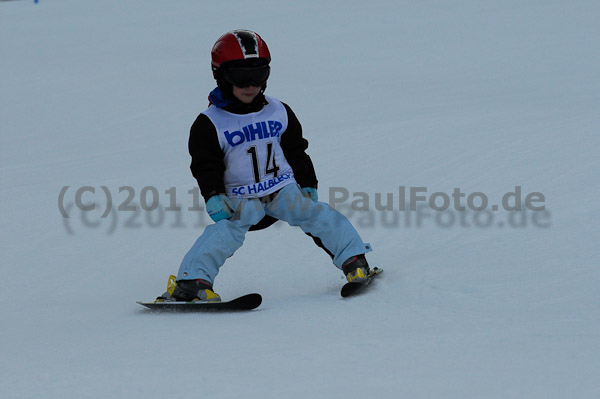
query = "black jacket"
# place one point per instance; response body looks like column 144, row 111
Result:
column 208, row 166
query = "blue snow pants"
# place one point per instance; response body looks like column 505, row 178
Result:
column 220, row 240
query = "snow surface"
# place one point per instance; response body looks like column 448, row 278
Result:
column 477, row 95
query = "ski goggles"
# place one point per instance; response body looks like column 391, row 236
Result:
column 245, row 77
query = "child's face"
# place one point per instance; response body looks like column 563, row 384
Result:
column 246, row 94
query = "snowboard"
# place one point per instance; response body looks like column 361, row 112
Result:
column 245, row 302
column 351, row 289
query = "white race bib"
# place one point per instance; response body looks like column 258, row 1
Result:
column 254, row 162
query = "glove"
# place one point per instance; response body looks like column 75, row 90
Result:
column 311, row 192
column 219, row 207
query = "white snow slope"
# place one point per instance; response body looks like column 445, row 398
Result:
column 477, row 95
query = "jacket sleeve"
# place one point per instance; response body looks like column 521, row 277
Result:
column 208, row 165
column 294, row 149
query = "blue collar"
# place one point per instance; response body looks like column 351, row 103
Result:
column 216, row 98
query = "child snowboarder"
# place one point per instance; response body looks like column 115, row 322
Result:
column 248, row 156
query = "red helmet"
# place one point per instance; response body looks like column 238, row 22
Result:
column 239, row 45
